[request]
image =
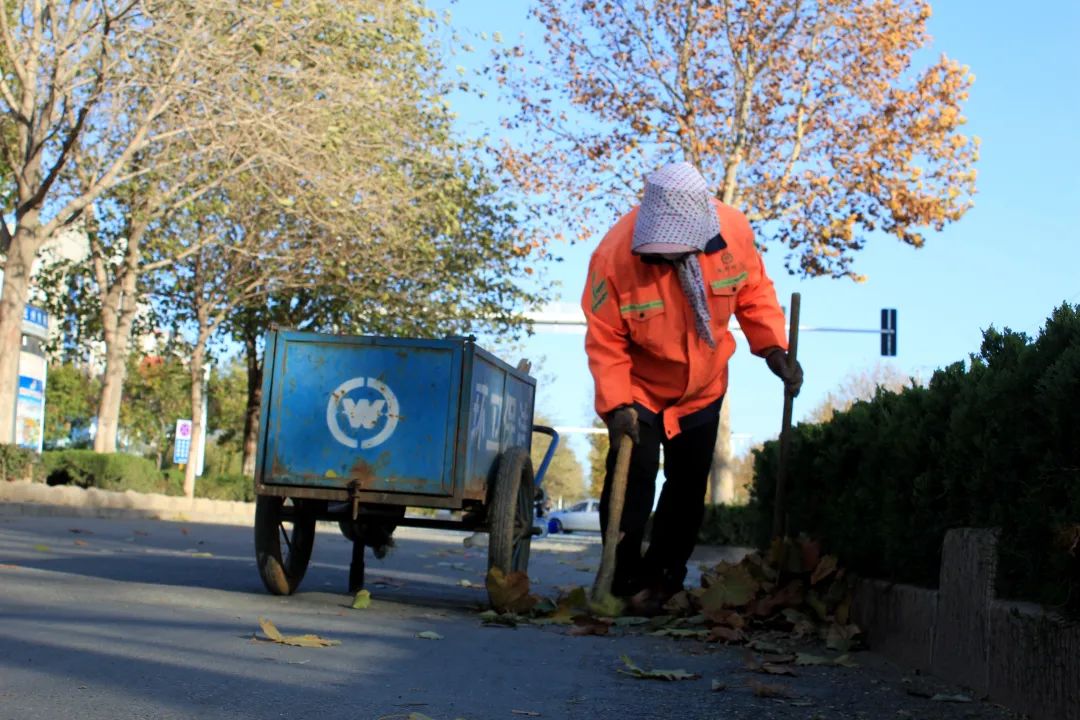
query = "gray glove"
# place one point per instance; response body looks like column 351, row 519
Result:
column 792, row 376
column 622, row 421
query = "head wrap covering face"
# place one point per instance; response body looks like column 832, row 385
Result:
column 677, row 216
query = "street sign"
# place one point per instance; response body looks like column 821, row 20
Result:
column 182, row 442
column 888, row 332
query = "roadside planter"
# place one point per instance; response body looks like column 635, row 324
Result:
column 354, row 429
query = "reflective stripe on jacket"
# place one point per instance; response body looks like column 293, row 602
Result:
column 641, row 341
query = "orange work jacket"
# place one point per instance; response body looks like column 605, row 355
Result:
column 641, row 340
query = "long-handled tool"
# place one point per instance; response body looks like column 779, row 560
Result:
column 601, row 590
column 779, row 528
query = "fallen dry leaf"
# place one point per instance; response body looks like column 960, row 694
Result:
column 81, row 543
column 725, row 634
column 763, row 690
column 588, row 626
column 429, row 635
column 509, row 593
column 42, row 548
column 312, row 641
column 958, row 698
column 841, row 637
column 771, row 669
column 635, row 671
column 808, row 659
column 734, row 588
column 681, row 633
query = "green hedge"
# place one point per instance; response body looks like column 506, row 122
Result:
column 16, row 463
column 729, row 525
column 994, row 444
column 224, row 487
column 106, row 471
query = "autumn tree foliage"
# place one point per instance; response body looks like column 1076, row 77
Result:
column 810, row 116
column 820, row 119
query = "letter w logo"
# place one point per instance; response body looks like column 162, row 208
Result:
column 363, row 413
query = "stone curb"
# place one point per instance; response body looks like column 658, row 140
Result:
column 1010, row 652
column 37, row 499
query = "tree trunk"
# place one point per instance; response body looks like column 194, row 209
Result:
column 254, row 402
column 118, row 310
column 198, row 357
column 117, row 340
column 17, row 268
column 721, row 477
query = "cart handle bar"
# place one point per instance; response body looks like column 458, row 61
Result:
column 545, row 430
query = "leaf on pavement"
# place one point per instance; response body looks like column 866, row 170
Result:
column 679, row 604
column 43, row 548
column 811, row 552
column 429, row 635
column 824, row 569
column 958, row 698
column 362, row 601
column 468, row 583
column 841, row 637
column 763, row 690
column 80, row 531
column 764, row 646
column 81, row 543
column 771, row 669
column 202, row 555
column 724, row 616
column 845, row 661
column 805, row 659
column 718, row 685
column 635, row 671
column 312, row 641
column 509, row 593
column 681, row 633
column 791, row 595
column 589, row 626
column 725, row 634
column 734, row 588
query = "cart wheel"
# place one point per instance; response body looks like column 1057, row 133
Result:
column 284, row 536
column 510, row 514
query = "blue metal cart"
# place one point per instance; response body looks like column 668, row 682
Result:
column 355, row 429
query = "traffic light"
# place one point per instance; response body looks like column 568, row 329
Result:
column 888, row 332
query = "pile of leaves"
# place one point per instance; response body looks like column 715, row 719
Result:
column 793, row 591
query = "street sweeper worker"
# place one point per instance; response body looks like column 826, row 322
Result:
column 661, row 288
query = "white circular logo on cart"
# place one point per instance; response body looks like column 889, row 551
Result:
column 362, row 411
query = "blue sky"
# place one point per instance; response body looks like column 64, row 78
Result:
column 1007, row 263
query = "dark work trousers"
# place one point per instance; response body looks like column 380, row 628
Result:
column 687, row 460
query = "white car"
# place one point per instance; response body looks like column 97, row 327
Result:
column 584, row 515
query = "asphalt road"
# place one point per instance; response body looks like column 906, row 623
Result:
column 108, row 619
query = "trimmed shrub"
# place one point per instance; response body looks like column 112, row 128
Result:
column 995, row 444
column 729, row 525
column 105, row 471
column 224, row 487
column 16, row 463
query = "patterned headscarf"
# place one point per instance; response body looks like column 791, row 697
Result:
column 677, row 216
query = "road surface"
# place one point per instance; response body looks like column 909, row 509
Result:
column 108, row 619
